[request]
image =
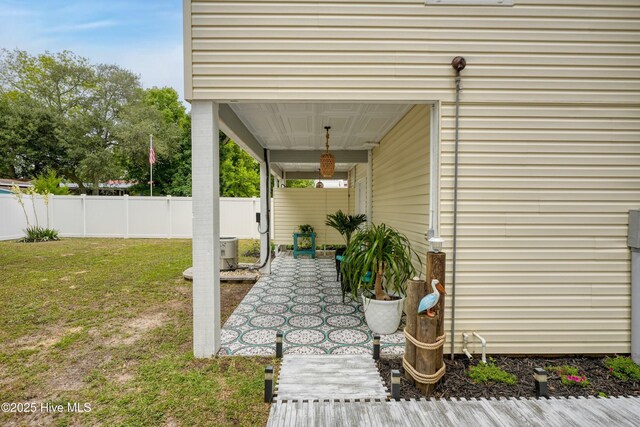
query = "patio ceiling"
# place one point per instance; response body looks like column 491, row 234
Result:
column 286, row 127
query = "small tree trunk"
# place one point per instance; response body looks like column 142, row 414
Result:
column 380, row 293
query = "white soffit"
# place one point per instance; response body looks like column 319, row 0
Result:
column 308, row 167
column 300, row 126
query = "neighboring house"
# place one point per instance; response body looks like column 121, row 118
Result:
column 7, row 183
column 116, row 187
column 549, row 144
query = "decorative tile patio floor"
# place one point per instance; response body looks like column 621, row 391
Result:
column 302, row 299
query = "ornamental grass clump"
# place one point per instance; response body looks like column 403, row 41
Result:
column 34, row 233
column 39, row 234
column 623, row 368
column 485, row 373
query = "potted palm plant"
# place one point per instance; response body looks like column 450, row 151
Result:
column 346, row 225
column 378, row 267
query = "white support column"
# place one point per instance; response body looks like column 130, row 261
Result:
column 434, row 173
column 206, row 228
column 370, row 187
column 265, row 199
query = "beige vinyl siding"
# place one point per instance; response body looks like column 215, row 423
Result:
column 549, row 138
column 537, row 50
column 401, row 180
column 297, row 206
column 543, row 265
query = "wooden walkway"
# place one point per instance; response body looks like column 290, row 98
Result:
column 329, row 377
column 579, row 412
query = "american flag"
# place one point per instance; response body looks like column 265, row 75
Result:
column 152, row 154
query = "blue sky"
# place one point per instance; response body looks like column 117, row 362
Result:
column 144, row 36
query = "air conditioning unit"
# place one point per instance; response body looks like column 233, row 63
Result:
column 228, row 253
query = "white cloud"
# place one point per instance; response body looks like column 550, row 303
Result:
column 84, row 26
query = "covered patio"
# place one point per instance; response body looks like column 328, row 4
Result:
column 302, row 299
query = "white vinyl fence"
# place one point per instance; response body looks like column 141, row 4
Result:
column 124, row 216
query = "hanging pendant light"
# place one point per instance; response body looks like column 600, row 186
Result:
column 327, row 160
column 319, row 184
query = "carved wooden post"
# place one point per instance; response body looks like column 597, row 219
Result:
column 415, row 292
column 426, row 363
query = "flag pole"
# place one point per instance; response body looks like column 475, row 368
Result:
column 150, row 165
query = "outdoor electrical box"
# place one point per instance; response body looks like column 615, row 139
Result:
column 633, row 240
column 258, row 217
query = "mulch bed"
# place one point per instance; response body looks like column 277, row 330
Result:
column 456, row 382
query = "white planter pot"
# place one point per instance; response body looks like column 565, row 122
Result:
column 383, row 317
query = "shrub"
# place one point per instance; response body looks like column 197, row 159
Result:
column 40, row 234
column 623, row 368
column 305, row 242
column 569, row 375
column 49, row 183
column 252, row 249
column 570, row 380
column 489, row 372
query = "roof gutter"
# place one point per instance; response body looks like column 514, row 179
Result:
column 433, row 234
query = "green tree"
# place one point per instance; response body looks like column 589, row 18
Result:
column 84, row 102
column 91, row 123
column 180, row 171
column 157, row 112
column 239, row 172
column 49, row 184
column 28, row 138
column 300, row 183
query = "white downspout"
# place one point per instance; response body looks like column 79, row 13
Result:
column 633, row 241
column 433, row 234
column 370, row 187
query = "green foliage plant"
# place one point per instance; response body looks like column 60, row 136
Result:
column 306, row 229
column 300, row 183
column 34, row 233
column 345, row 224
column 485, row 373
column 49, row 183
column 623, row 368
column 569, row 375
column 305, row 242
column 39, row 234
column 384, row 253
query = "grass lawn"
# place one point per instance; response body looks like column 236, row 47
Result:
column 108, row 322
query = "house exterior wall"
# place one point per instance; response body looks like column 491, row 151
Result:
column 401, row 180
column 295, row 206
column 356, row 174
column 549, row 131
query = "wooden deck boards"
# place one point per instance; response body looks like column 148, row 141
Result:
column 329, row 377
column 622, row 411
